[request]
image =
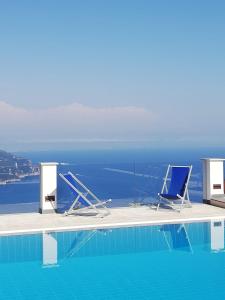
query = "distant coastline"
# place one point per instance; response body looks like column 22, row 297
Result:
column 14, row 168
column 21, row 177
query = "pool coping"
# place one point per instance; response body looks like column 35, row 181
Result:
column 111, row 225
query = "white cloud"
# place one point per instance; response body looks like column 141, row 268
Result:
column 75, row 123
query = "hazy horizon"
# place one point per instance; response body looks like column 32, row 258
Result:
column 115, row 74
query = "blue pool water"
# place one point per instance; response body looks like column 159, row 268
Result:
column 178, row 261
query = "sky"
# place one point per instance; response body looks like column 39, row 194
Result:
column 111, row 74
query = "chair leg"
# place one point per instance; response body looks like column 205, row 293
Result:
column 182, row 204
column 72, row 206
column 188, row 200
column 158, row 204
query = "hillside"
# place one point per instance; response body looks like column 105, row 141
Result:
column 13, row 168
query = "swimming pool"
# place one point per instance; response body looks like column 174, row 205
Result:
column 177, row 261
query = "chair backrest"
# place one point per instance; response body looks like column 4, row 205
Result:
column 74, row 189
column 179, row 178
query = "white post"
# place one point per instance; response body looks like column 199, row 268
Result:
column 48, row 187
column 213, row 177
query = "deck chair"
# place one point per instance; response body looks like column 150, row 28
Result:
column 176, row 195
column 85, row 202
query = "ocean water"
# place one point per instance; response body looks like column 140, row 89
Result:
column 163, row 262
column 125, row 176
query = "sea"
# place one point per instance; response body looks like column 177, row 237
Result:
column 127, row 176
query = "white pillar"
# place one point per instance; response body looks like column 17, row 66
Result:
column 213, row 177
column 48, row 187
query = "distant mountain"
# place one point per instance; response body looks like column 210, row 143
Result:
column 13, row 168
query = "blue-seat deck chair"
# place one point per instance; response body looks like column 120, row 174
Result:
column 85, row 202
column 175, row 187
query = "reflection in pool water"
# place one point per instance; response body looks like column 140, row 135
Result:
column 155, row 262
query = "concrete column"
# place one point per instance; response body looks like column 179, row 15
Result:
column 48, row 187
column 213, row 177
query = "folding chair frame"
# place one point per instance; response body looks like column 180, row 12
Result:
column 73, row 208
column 185, row 200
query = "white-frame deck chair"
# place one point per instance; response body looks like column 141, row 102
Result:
column 85, row 202
column 176, row 194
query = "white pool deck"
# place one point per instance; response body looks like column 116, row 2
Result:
column 119, row 217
